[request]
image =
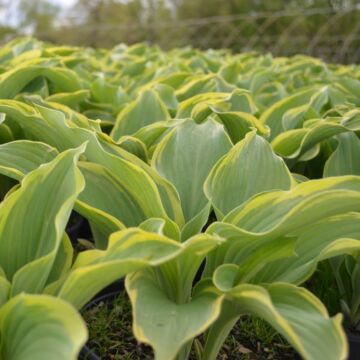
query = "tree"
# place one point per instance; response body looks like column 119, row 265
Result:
column 38, row 17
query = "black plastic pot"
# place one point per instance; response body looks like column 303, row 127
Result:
column 79, row 228
column 115, row 288
column 87, row 354
column 73, row 230
column 107, row 295
column 354, row 346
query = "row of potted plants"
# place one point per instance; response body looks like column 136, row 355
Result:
column 217, row 185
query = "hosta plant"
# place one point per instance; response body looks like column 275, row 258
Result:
column 32, row 249
column 269, row 241
column 110, row 199
column 342, row 274
column 36, row 255
column 259, row 247
column 36, row 258
column 145, row 144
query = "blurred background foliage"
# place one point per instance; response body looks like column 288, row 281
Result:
column 329, row 29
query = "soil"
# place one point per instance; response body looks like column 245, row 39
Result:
column 111, row 338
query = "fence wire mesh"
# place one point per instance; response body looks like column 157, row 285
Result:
column 333, row 35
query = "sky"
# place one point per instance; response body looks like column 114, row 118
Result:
column 65, row 3
column 9, row 14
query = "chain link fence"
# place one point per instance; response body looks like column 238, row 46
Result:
column 325, row 33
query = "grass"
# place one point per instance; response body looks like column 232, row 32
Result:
column 110, row 331
column 110, row 336
column 252, row 338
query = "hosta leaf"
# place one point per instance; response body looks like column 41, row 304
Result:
column 52, row 127
column 242, row 101
column 234, row 106
column 272, row 117
column 180, row 158
column 294, row 307
column 62, row 79
column 327, row 238
column 248, row 169
column 13, row 81
column 276, row 212
column 351, row 84
column 345, row 160
column 15, row 162
column 264, row 236
column 196, row 224
column 131, row 250
column 18, row 158
column 75, row 117
column 295, row 117
column 230, row 72
column 39, row 86
column 252, row 253
column 63, row 260
column 167, row 95
column 72, row 99
column 299, row 178
column 271, row 93
column 288, row 309
column 164, row 324
column 174, row 79
column 6, row 134
column 291, row 144
column 153, row 225
column 5, row 287
column 351, row 120
column 128, row 198
column 152, row 134
column 238, row 124
column 124, row 191
column 134, row 146
column 186, row 107
column 177, row 276
column 145, row 110
column 259, row 79
column 16, row 47
column 29, row 244
column 40, row 327
column 103, row 92
column 128, row 250
column 198, row 84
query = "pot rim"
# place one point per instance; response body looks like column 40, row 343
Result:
column 100, row 298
